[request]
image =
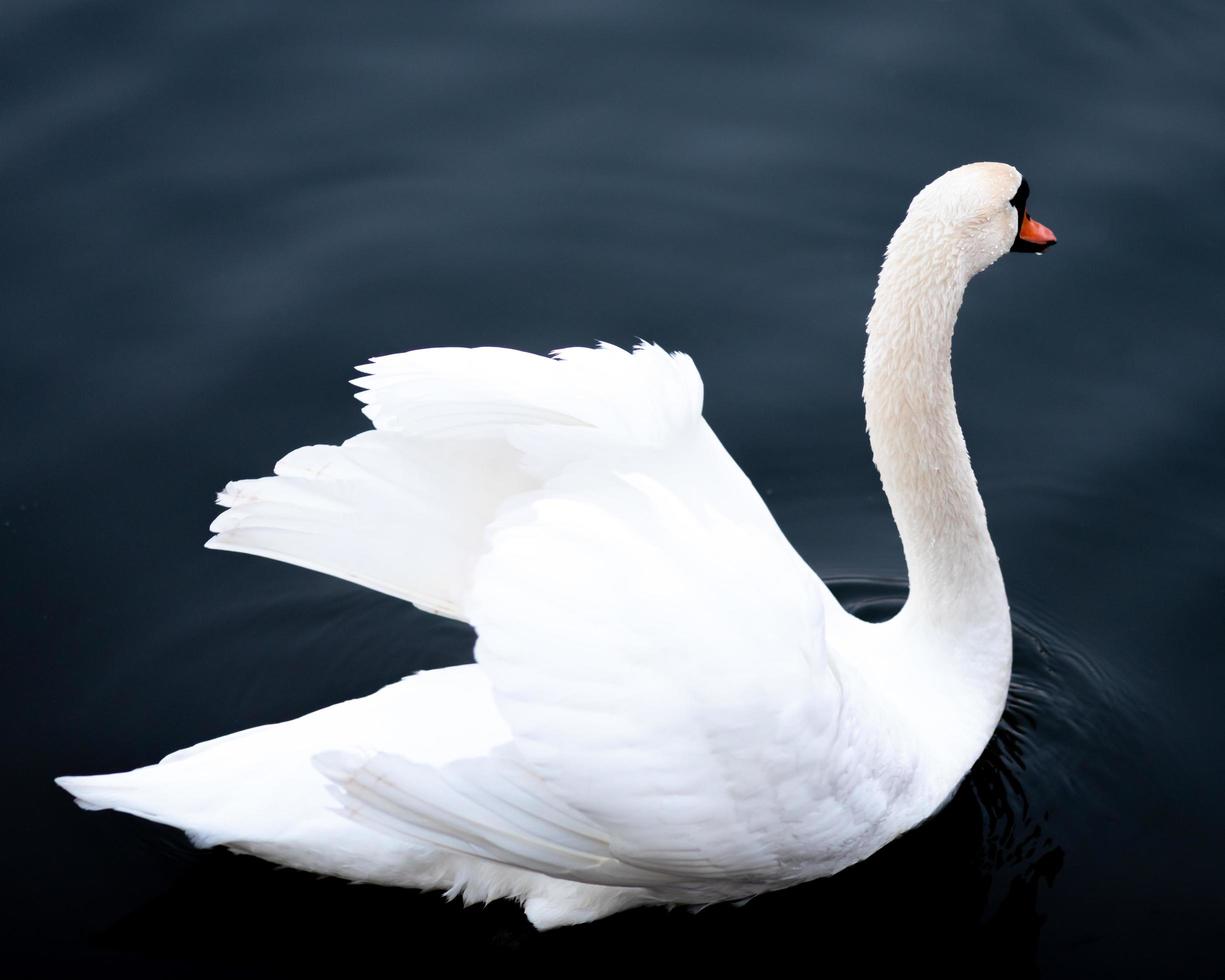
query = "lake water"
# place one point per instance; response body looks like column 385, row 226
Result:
column 212, row 210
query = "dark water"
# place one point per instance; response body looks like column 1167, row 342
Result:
column 211, row 210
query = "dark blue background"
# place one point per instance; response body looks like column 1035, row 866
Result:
column 210, row 210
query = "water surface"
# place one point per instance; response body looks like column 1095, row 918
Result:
column 211, row 210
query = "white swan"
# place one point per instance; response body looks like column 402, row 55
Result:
column 668, row 705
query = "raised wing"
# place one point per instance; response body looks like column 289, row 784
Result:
column 655, row 644
column 401, row 515
column 661, row 664
column 404, row 509
column 657, row 648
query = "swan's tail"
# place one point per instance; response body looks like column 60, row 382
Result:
column 259, row 783
column 97, row 792
column 257, row 791
column 146, row 793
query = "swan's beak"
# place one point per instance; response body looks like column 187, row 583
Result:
column 1033, row 236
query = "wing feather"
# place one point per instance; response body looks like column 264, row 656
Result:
column 654, row 643
column 488, row 807
column 654, row 660
column 661, row 665
column 404, row 509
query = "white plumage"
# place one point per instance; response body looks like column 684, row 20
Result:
column 667, row 705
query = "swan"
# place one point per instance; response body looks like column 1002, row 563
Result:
column 668, row 706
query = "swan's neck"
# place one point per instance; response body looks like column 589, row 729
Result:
column 955, row 584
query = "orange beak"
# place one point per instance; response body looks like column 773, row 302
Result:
column 1035, row 232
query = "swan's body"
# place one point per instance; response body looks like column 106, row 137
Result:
column 668, row 705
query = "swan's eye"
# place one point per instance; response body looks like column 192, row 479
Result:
column 1019, row 200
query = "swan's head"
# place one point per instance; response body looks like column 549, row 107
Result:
column 978, row 212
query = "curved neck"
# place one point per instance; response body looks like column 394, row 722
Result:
column 955, row 580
